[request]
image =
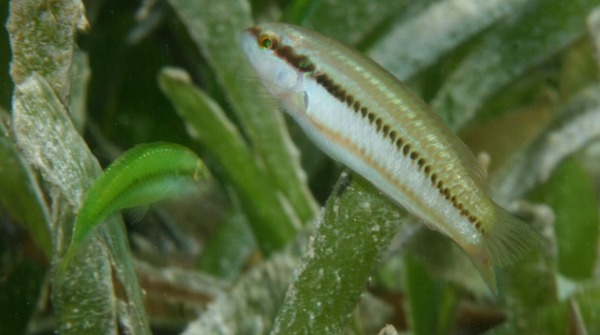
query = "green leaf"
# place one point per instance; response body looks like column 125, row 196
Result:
column 356, row 229
column 575, row 207
column 507, row 52
column 49, row 141
column 272, row 226
column 86, row 304
column 20, row 290
column 228, row 249
column 423, row 297
column 351, row 23
column 405, row 50
column 41, row 67
column 52, row 145
column 81, row 74
column 297, row 11
column 21, row 196
column 32, row 24
column 144, row 174
column 216, row 29
column 575, row 126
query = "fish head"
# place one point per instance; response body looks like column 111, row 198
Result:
column 270, row 49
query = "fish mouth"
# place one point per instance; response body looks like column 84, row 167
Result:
column 248, row 41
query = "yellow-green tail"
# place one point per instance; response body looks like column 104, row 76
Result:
column 505, row 241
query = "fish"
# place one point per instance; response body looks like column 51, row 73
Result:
column 362, row 116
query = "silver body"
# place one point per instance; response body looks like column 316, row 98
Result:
column 362, row 116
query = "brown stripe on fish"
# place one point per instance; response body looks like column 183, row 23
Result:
column 303, row 64
column 300, row 62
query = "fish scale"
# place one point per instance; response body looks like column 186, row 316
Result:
column 362, row 116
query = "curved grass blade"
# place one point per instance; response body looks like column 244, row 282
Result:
column 271, row 225
column 216, row 27
column 145, row 174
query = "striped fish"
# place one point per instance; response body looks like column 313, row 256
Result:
column 362, row 116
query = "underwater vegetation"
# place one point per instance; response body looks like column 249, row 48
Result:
column 240, row 224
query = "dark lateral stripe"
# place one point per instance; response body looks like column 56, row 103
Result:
column 386, row 131
column 300, row 62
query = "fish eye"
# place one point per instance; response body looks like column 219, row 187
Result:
column 267, row 42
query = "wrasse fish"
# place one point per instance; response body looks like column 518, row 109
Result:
column 361, row 115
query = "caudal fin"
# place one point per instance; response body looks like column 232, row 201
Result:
column 505, row 241
column 509, row 238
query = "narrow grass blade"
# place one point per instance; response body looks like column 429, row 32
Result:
column 356, row 228
column 21, row 195
column 577, row 124
column 297, row 11
column 575, row 207
column 84, row 303
column 81, row 74
column 406, row 50
column 507, row 52
column 229, row 247
column 49, row 142
column 423, row 294
column 216, row 29
column 32, row 24
column 354, row 21
column 271, row 225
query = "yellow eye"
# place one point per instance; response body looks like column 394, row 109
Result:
column 267, row 42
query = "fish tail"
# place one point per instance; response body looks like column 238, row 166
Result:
column 505, row 241
column 509, row 238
